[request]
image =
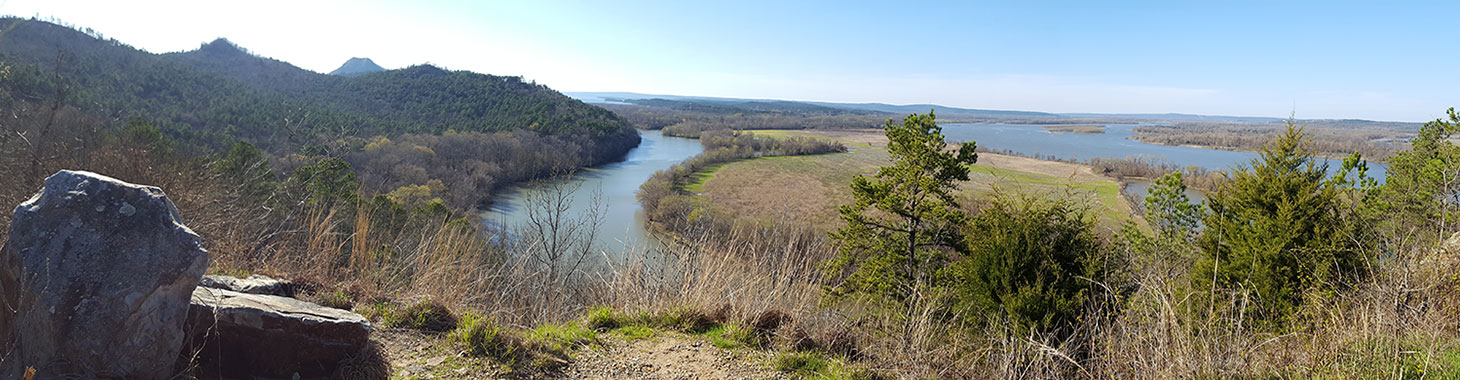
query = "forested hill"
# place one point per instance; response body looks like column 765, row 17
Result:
column 418, row 134
column 221, row 92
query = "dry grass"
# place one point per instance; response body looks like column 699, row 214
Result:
column 1401, row 322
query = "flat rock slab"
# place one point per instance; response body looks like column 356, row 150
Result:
column 255, row 284
column 242, row 335
column 100, row 272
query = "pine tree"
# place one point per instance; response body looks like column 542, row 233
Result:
column 1422, row 192
column 1277, row 230
column 904, row 220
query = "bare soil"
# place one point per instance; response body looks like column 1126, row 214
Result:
column 668, row 356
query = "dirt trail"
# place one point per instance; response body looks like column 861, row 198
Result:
column 666, row 356
column 413, row 355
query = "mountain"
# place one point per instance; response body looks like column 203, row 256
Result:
column 357, row 66
column 221, row 93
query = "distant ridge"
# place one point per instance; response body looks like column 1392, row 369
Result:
column 1023, row 116
column 357, row 66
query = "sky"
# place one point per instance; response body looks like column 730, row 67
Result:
column 1392, row 60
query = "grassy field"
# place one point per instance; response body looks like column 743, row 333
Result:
column 809, row 188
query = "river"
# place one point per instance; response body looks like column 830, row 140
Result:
column 623, row 219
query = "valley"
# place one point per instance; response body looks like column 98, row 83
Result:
column 333, row 205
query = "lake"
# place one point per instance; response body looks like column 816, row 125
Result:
column 1116, row 142
column 623, row 218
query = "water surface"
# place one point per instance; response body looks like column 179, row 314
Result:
column 1116, row 142
column 623, row 217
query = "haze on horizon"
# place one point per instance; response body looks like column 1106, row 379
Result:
column 1388, row 61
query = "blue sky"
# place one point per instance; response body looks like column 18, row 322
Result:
column 1331, row 59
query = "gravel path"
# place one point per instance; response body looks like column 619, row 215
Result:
column 667, row 356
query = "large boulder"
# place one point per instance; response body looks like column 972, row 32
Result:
column 98, row 274
column 255, row 284
column 254, row 335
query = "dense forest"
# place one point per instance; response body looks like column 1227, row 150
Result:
column 208, row 99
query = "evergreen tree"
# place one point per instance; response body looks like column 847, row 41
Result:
column 245, row 165
column 1025, row 262
column 904, row 219
column 1422, row 192
column 1277, row 230
column 1170, row 247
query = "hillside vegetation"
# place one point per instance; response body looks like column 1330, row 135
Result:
column 208, row 99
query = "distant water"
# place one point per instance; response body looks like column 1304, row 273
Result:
column 1116, row 142
column 623, row 220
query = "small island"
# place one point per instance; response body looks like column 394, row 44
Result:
column 1076, row 128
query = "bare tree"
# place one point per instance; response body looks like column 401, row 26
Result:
column 556, row 237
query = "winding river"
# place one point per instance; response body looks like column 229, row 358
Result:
column 623, row 219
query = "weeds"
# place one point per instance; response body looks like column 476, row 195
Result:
column 424, row 315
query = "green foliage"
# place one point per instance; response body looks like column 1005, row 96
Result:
column 422, row 315
column 246, row 165
column 903, row 221
column 484, row 337
column 327, row 182
column 603, row 318
column 140, row 133
column 1277, row 229
column 221, row 92
column 1169, row 211
column 635, row 332
column 801, row 364
column 815, row 365
column 1420, row 194
column 731, row 335
column 1171, row 247
column 1025, row 261
column 563, row 337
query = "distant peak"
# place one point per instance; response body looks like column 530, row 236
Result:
column 357, row 66
column 222, row 45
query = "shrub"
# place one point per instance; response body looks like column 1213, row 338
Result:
column 1025, row 257
column 484, row 337
column 603, row 318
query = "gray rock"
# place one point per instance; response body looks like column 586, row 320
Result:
column 99, row 273
column 255, row 335
column 255, row 284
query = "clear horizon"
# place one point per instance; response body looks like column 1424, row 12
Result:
column 1316, row 60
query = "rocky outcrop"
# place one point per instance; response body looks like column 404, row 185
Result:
column 254, row 284
column 97, row 276
column 253, row 335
